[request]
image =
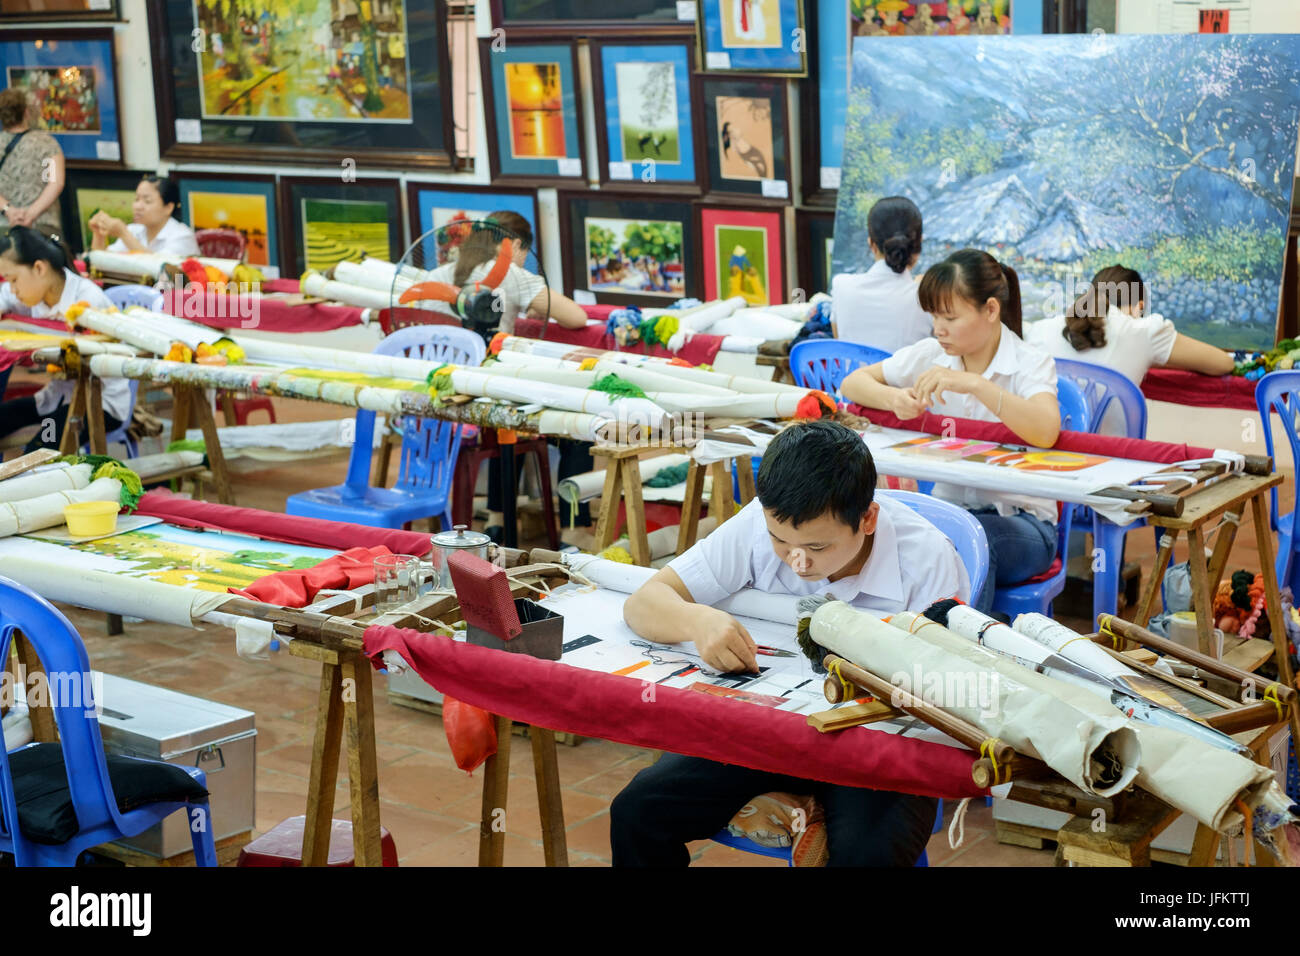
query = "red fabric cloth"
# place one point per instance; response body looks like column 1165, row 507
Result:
column 1203, row 391
column 291, row 529
column 1112, row 447
column 557, row 696
column 698, row 350
column 351, row 569
column 56, row 325
column 269, row 314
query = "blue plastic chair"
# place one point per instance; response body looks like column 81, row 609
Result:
column 967, row 536
column 1038, row 593
column 429, row 447
column 1102, row 389
column 92, row 780
column 125, row 296
column 825, row 363
column 1280, row 392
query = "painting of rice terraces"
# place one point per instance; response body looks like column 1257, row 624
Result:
column 1060, row 155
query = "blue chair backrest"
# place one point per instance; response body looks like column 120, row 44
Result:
column 429, row 445
column 125, row 296
column 1102, row 388
column 1280, row 392
column 825, row 363
column 959, row 526
column 1074, row 408
column 63, row 655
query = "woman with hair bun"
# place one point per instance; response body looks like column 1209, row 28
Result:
column 879, row 307
column 155, row 229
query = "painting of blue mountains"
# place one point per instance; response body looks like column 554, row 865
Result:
column 1172, row 155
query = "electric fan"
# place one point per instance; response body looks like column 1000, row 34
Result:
column 432, row 274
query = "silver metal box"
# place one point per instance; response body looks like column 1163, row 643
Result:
column 141, row 720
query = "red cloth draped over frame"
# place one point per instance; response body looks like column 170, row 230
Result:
column 291, row 529
column 557, row 696
column 1203, row 391
column 351, row 569
column 1112, row 447
column 699, row 349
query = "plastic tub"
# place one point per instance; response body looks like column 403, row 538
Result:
column 90, row 519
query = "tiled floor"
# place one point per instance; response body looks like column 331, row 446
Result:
column 429, row 805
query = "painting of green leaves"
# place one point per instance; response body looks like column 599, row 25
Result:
column 636, row 257
column 1060, row 155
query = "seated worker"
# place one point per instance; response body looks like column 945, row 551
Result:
column 814, row 528
column 155, row 229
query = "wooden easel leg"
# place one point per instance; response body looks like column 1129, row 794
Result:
column 496, row 785
column 113, row 625
column 636, row 533
column 1222, row 548
column 44, row 729
column 228, row 408
column 95, row 417
column 610, row 496
column 1273, row 606
column 1146, row 605
column 550, row 801
column 180, row 412
column 70, row 440
column 1205, row 847
column 1202, row 600
column 216, row 460
column 324, row 767
column 721, row 503
column 745, row 478
column 363, row 766
column 691, row 501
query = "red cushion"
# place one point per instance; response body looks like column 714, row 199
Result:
column 1045, row 576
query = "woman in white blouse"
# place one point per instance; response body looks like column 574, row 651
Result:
column 879, row 307
column 155, row 229
column 978, row 367
column 1105, row 326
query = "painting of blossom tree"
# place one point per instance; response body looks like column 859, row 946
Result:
column 1173, row 155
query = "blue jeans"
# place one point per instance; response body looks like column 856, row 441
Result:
column 1020, row 546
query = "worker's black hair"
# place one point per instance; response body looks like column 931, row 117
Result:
column 815, row 467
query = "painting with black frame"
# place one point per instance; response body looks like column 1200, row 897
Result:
column 815, row 230
column 85, row 191
column 747, row 136
column 370, row 85
column 324, row 221
column 248, row 203
column 629, row 250
column 590, row 17
column 647, row 113
column 18, row 11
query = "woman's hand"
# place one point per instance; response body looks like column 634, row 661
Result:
column 18, row 216
column 106, row 225
column 935, row 381
column 905, row 405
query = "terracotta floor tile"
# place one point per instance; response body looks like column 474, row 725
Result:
column 432, row 782
column 462, row 850
column 609, row 783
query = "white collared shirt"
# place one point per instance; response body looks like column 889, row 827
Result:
column 879, row 308
column 911, row 565
column 1021, row 369
column 173, row 239
column 116, row 391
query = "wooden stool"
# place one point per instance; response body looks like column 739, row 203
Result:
column 470, row 459
column 282, row 845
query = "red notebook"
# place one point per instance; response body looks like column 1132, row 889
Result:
column 484, row 594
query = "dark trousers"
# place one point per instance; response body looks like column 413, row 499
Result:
column 681, row 799
column 20, row 412
column 575, row 459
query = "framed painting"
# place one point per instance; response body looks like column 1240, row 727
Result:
column 55, row 10
column 325, row 221
column 747, row 132
column 434, row 206
column 85, row 192
column 245, row 203
column 638, row 18
column 646, row 111
column 627, row 249
column 70, row 80
column 533, row 111
column 816, row 232
column 753, row 36
column 742, row 254
column 346, row 82
column 906, row 18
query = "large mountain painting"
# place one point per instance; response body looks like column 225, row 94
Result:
column 1173, row 155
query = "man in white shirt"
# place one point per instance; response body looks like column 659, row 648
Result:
column 815, row 528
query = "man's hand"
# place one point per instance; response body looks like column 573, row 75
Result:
column 723, row 643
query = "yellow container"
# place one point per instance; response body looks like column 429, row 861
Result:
column 91, row 519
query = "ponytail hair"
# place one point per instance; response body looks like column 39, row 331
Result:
column 1085, row 319
column 975, row 277
column 894, row 225
column 26, row 246
column 484, row 242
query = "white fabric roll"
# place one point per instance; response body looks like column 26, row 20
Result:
column 46, row 511
column 582, row 487
column 662, row 542
column 1071, row 645
column 148, row 264
column 315, row 284
column 146, row 466
column 633, row 410
column 354, row 273
column 112, row 593
column 1079, row 736
column 43, row 481
column 757, row 323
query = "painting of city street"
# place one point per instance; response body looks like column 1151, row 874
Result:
column 304, row 60
column 1060, row 155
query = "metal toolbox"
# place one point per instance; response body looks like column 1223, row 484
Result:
column 140, row 720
